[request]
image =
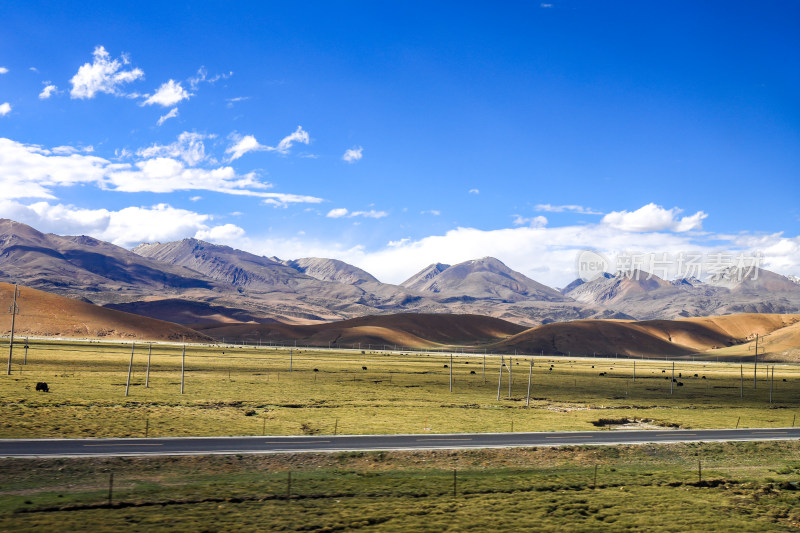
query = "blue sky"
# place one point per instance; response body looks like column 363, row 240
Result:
column 526, row 131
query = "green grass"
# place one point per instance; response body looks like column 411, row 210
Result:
column 249, row 391
column 745, row 486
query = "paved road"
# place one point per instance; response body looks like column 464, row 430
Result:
column 330, row 443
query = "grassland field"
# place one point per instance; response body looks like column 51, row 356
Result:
column 277, row 391
column 248, row 391
column 744, row 486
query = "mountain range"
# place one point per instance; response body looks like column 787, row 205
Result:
column 193, row 282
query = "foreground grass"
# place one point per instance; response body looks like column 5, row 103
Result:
column 233, row 391
column 745, row 486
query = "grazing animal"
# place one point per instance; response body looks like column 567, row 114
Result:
column 363, row 368
column 471, row 371
column 446, row 366
column 42, row 386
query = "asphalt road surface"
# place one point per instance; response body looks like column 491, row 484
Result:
column 331, row 443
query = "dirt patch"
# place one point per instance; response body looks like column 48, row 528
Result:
column 630, row 423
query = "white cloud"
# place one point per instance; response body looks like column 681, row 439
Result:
column 169, row 94
column 245, row 144
column 299, row 135
column 189, row 147
column 353, row 154
column 534, row 222
column 3, row 70
column 126, row 227
column 202, row 76
column 48, row 91
column 172, row 114
column 5, row 109
column 474, row 191
column 337, row 213
column 652, row 217
column 224, row 233
column 165, row 174
column 103, row 75
column 30, row 171
column 562, row 208
column 196, row 198
column 248, row 143
column 546, row 254
column 434, row 212
column 343, row 212
column 369, row 214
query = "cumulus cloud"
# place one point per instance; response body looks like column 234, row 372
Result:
column 3, row 70
column 339, row 212
column 652, row 217
column 172, row 114
column 189, row 147
column 245, row 144
column 31, row 171
column 5, row 109
column 48, row 91
column 103, row 75
column 248, row 143
column 169, row 94
column 546, row 254
column 562, row 208
column 353, row 154
column 534, row 222
column 224, row 233
column 474, row 191
column 125, row 227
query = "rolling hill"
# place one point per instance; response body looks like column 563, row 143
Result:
column 649, row 338
column 413, row 330
column 45, row 314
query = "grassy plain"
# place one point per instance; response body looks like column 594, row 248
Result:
column 238, row 391
column 744, row 487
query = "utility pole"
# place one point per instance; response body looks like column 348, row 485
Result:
column 755, row 363
column 672, row 380
column 509, row 376
column 771, row 381
column 500, row 378
column 530, row 377
column 451, row 371
column 147, row 374
column 14, row 310
column 183, row 366
column 130, row 367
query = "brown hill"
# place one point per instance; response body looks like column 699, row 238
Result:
column 649, row 337
column 414, row 330
column 45, row 314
